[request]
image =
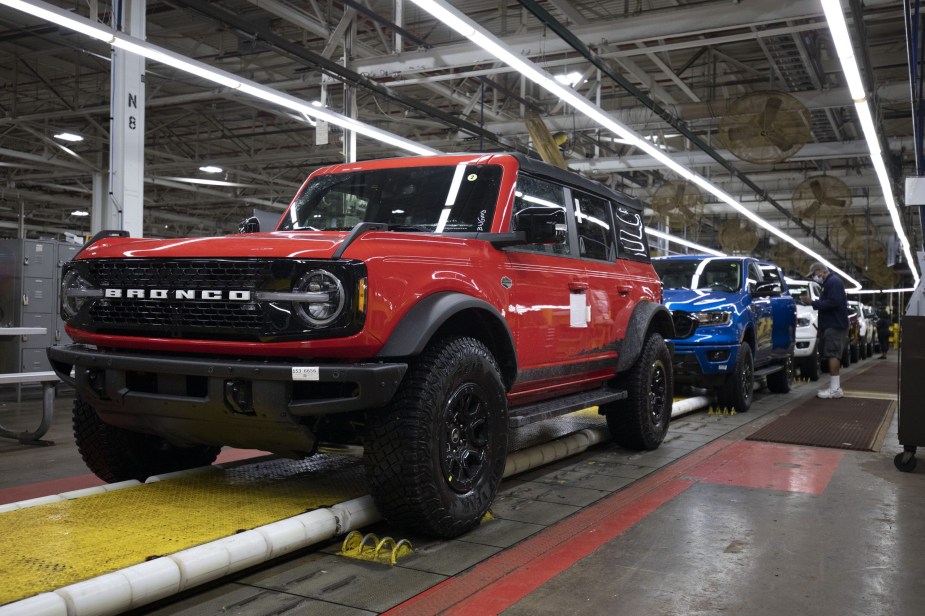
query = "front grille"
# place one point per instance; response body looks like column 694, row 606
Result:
column 207, row 319
column 187, row 315
column 195, row 273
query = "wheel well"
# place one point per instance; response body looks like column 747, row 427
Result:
column 749, row 338
column 661, row 324
column 485, row 328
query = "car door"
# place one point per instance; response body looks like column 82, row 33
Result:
column 608, row 290
column 549, row 294
column 760, row 308
column 783, row 312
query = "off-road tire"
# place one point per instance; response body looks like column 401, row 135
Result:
column 435, row 455
column 738, row 391
column 781, row 381
column 115, row 454
column 641, row 420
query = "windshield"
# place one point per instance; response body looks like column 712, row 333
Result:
column 445, row 199
column 709, row 274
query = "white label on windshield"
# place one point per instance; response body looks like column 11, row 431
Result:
column 305, row 373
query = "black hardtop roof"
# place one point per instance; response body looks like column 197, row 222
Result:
column 542, row 169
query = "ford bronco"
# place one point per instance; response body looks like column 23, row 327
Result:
column 419, row 308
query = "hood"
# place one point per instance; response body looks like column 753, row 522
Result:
column 687, row 300
column 276, row 244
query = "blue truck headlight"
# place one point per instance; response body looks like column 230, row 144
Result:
column 713, row 317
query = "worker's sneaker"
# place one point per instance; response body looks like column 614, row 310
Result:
column 831, row 393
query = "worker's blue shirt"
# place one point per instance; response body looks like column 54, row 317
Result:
column 832, row 304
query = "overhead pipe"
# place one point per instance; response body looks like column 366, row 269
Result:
column 341, row 73
column 565, row 34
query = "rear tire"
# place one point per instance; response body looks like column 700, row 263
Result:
column 115, row 454
column 434, row 457
column 780, row 382
column 855, row 353
column 641, row 420
column 810, row 368
column 739, row 389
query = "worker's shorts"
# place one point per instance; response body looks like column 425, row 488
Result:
column 834, row 342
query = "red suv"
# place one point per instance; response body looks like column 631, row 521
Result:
column 418, row 307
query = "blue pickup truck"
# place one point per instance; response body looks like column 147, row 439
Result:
column 746, row 324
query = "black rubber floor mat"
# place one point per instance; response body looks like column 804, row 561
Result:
column 881, row 378
column 845, row 423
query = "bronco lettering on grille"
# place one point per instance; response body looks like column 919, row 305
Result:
column 206, row 294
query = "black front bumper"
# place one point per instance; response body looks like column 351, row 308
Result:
column 242, row 403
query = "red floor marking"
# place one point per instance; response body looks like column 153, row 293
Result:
column 507, row 591
column 79, row 482
column 771, row 466
column 45, row 488
column 504, row 579
column 233, row 455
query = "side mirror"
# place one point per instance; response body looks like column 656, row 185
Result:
column 542, row 225
column 249, row 225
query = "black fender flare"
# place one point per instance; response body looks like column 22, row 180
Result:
column 422, row 321
column 646, row 317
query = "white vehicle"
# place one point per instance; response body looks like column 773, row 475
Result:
column 866, row 337
column 806, row 354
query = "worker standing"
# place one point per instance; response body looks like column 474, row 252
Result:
column 832, row 306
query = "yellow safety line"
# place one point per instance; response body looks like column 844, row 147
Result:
column 50, row 546
column 873, row 395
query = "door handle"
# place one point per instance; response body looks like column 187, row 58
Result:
column 575, row 285
column 624, row 290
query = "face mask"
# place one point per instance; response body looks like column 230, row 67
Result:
column 818, row 279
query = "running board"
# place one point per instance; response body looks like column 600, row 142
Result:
column 769, row 370
column 523, row 415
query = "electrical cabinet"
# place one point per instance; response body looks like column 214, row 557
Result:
column 30, row 273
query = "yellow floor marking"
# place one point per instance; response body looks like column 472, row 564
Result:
column 873, row 395
column 50, row 546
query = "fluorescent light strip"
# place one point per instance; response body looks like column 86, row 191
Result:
column 875, row 291
column 451, row 17
column 838, row 27
column 683, row 242
column 447, row 16
column 223, row 78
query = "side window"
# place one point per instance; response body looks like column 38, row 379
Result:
column 631, row 234
column 772, row 277
column 533, row 193
column 595, row 231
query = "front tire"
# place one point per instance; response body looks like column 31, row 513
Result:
column 115, row 454
column 641, row 420
column 435, row 456
column 739, row 389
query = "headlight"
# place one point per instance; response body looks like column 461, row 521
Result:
column 804, row 321
column 713, row 317
column 327, row 297
column 75, row 291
